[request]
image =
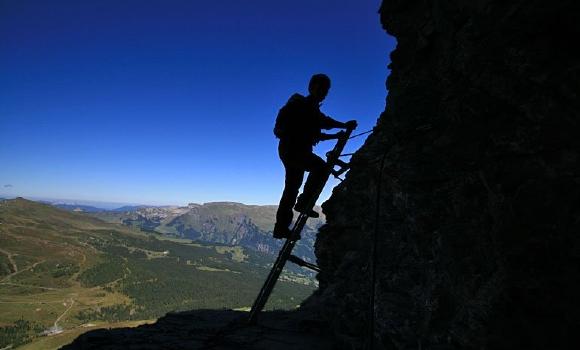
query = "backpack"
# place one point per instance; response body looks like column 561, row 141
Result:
column 284, row 123
column 282, row 119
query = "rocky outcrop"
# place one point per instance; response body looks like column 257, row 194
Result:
column 214, row 329
column 474, row 169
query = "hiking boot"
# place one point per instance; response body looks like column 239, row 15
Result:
column 297, row 238
column 311, row 213
column 281, row 232
column 301, row 207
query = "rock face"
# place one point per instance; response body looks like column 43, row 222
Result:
column 474, row 169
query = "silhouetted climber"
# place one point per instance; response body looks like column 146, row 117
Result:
column 298, row 126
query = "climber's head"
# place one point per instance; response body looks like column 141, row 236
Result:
column 318, row 87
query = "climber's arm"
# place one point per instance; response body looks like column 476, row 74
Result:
column 324, row 137
column 327, row 122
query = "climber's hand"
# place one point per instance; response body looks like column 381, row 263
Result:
column 351, row 124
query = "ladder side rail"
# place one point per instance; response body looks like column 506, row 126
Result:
column 276, row 270
column 270, row 282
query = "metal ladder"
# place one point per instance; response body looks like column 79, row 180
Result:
column 332, row 160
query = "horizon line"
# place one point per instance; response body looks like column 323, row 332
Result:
column 113, row 204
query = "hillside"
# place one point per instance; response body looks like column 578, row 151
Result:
column 249, row 226
column 62, row 273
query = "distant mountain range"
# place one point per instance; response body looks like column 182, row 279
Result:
column 93, row 209
column 89, row 204
column 76, row 207
column 229, row 223
column 131, row 208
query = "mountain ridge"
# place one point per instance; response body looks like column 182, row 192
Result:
column 217, row 222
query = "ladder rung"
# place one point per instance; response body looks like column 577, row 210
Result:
column 296, row 260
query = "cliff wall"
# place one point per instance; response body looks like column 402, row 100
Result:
column 474, row 168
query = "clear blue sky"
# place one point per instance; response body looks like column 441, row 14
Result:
column 170, row 102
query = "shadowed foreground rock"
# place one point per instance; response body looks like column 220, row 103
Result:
column 214, row 329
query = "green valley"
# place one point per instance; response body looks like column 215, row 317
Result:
column 63, row 273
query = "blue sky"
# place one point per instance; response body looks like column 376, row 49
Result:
column 170, row 102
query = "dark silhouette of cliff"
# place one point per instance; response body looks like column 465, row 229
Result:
column 477, row 161
column 478, row 244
